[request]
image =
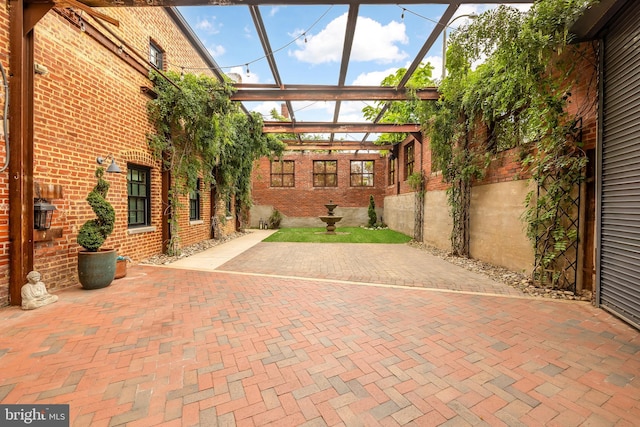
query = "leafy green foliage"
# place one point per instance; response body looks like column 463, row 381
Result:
column 94, row 232
column 371, row 212
column 275, row 219
column 399, row 112
column 519, row 93
column 201, row 133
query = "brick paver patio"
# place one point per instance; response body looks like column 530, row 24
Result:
column 179, row 347
column 371, row 263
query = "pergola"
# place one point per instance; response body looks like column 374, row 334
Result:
column 25, row 14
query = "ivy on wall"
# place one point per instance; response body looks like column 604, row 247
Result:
column 518, row 95
column 200, row 132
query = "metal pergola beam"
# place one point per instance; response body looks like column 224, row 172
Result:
column 165, row 3
column 331, row 93
column 334, row 145
column 338, row 146
column 352, row 20
column 266, row 46
column 327, row 127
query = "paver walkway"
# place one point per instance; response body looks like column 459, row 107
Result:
column 392, row 264
column 177, row 347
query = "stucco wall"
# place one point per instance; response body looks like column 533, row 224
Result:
column 437, row 222
column 399, row 212
column 498, row 235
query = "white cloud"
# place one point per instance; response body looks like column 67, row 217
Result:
column 352, row 118
column 209, row 26
column 326, row 46
column 304, row 107
column 216, row 50
column 436, row 62
column 274, row 10
column 373, row 78
column 265, row 108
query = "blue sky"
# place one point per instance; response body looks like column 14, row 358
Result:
column 307, row 41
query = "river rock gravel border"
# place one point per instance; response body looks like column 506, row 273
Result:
column 516, row 280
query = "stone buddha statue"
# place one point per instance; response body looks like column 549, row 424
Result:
column 34, row 294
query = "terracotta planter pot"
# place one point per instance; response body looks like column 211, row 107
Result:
column 97, row 269
column 121, row 268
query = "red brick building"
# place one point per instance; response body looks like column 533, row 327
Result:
column 90, row 96
column 299, row 185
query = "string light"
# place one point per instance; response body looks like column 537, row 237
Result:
column 404, row 9
column 303, row 36
column 402, row 16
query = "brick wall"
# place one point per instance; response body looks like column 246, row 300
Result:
column 89, row 105
column 497, row 198
column 306, row 201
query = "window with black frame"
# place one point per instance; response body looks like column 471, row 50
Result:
column 362, row 173
column 392, row 170
column 229, row 206
column 282, row 173
column 325, row 173
column 195, row 203
column 409, row 156
column 156, row 55
column 138, row 195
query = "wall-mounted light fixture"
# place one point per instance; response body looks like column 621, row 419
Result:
column 42, row 214
column 113, row 167
column 40, row 69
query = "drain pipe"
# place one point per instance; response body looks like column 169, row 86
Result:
column 5, row 120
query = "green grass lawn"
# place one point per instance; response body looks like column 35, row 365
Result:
column 343, row 235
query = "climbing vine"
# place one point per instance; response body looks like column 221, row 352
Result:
column 517, row 97
column 399, row 111
column 199, row 131
column 417, row 181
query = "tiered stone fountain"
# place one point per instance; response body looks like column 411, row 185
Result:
column 330, row 218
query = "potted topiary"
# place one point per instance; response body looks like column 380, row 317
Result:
column 97, row 267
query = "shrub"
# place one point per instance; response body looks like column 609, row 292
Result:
column 275, row 219
column 373, row 217
column 94, row 232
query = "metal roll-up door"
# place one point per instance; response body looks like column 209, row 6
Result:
column 619, row 290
